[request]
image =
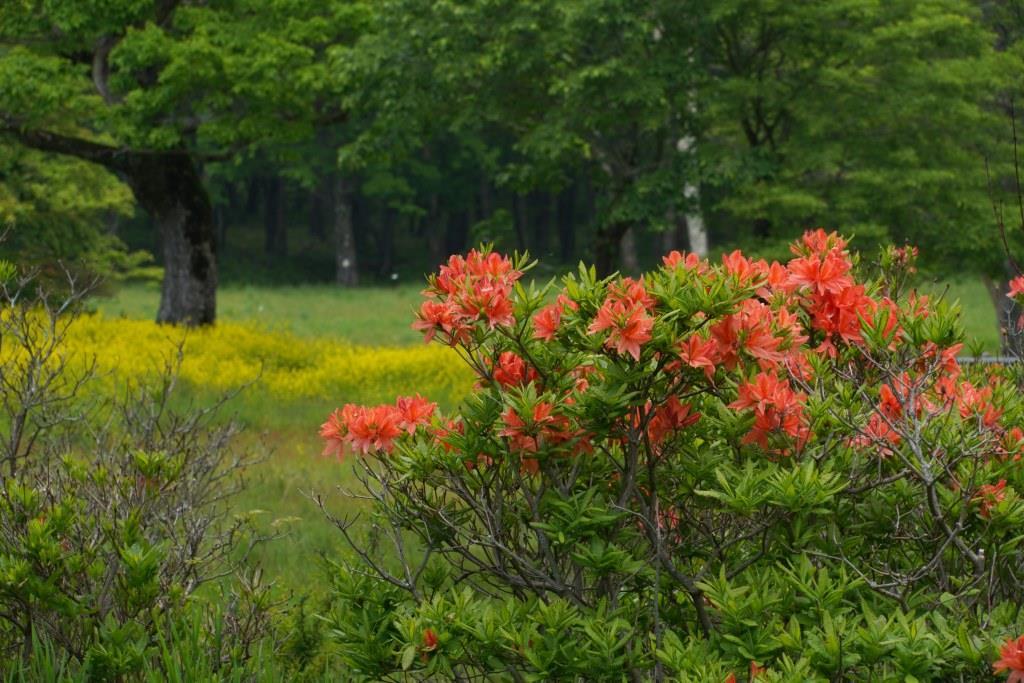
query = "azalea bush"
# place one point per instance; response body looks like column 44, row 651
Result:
column 715, row 472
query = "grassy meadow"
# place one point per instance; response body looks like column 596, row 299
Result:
column 302, row 351
column 306, row 350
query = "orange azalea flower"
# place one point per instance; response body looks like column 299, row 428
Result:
column 776, row 408
column 512, row 370
column 334, row 432
column 988, row 496
column 878, row 430
column 840, row 314
column 413, row 411
column 440, row 315
column 1013, row 443
column 669, row 417
column 755, row 670
column 367, row 429
column 777, row 281
column 376, row 428
column 429, row 640
column 478, row 286
column 822, row 275
column 489, row 302
column 699, row 353
column 766, row 390
column 1016, row 287
column 750, row 330
column 975, row 401
column 543, row 427
column 688, row 261
column 630, row 291
column 890, row 406
column 743, row 268
column 1012, row 660
column 630, row 326
column 726, row 336
column 818, row 242
column 546, row 322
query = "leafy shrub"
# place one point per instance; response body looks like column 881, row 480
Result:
column 717, row 472
column 112, row 514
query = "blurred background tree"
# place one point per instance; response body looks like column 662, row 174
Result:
column 355, row 142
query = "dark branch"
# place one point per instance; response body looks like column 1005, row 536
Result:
column 45, row 141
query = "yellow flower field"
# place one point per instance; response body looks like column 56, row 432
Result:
column 281, row 366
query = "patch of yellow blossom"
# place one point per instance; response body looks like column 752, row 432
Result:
column 279, row 365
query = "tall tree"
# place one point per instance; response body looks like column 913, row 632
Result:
column 151, row 90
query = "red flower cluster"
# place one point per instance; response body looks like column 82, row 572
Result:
column 467, row 290
column 626, row 314
column 374, row 428
column 669, row 417
column 542, row 427
column 549, row 318
column 1016, row 287
column 988, row 496
column 752, row 331
column 776, row 408
column 511, row 370
column 1017, row 293
column 1011, row 659
column 674, row 259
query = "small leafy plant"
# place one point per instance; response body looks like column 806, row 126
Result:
column 714, row 472
column 113, row 514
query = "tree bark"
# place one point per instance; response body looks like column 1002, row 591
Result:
column 567, row 224
column 1008, row 314
column 607, row 242
column 169, row 187
column 520, row 220
column 628, row 255
column 317, row 210
column 696, row 231
column 346, row 270
column 542, row 217
column 275, row 240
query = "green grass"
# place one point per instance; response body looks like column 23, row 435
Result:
column 373, row 316
column 281, row 488
column 978, row 314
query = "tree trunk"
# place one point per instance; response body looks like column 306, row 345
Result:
column 170, row 190
column 762, row 228
column 520, row 220
column 168, row 186
column 317, row 210
column 275, row 242
column 567, row 224
column 607, row 242
column 628, row 255
column 542, row 223
column 346, row 270
column 675, row 235
column 1008, row 314
column 486, row 198
column 456, row 233
column 384, row 235
column 696, row 232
